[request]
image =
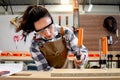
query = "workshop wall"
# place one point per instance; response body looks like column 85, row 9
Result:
column 92, row 25
column 7, row 32
column 94, row 31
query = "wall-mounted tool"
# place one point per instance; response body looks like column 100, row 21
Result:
column 110, row 24
column 80, row 37
column 16, row 21
column 66, row 21
column 103, row 56
column 118, row 61
column 104, row 45
column 76, row 17
column 59, row 20
column 110, row 40
column 16, row 39
column 109, row 56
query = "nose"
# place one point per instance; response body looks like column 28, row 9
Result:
column 47, row 31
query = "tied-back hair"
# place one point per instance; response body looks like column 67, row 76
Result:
column 32, row 14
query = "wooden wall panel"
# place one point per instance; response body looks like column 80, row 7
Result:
column 94, row 30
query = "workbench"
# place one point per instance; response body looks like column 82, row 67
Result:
column 66, row 74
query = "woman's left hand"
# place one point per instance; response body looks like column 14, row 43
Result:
column 79, row 62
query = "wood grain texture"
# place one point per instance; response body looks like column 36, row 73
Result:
column 94, row 30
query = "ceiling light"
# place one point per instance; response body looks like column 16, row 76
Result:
column 90, row 6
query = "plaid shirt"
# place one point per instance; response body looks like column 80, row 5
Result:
column 72, row 46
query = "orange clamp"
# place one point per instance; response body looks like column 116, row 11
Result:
column 104, row 45
column 80, row 37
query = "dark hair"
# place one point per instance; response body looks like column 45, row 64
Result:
column 32, row 14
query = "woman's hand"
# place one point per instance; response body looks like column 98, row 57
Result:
column 79, row 62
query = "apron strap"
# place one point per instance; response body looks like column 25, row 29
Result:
column 62, row 31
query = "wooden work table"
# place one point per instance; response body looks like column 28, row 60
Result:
column 66, row 74
column 13, row 58
column 22, row 58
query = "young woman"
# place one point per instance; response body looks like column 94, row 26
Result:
column 51, row 43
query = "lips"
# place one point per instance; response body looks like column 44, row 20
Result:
column 49, row 37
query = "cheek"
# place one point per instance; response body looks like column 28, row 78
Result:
column 52, row 31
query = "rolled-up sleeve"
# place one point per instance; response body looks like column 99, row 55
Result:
column 72, row 44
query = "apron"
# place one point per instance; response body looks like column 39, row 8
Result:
column 55, row 52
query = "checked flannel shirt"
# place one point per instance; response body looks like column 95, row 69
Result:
column 72, row 45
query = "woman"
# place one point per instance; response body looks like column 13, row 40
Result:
column 51, row 43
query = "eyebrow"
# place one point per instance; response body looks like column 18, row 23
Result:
column 44, row 27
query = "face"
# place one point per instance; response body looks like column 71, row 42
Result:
column 45, row 27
